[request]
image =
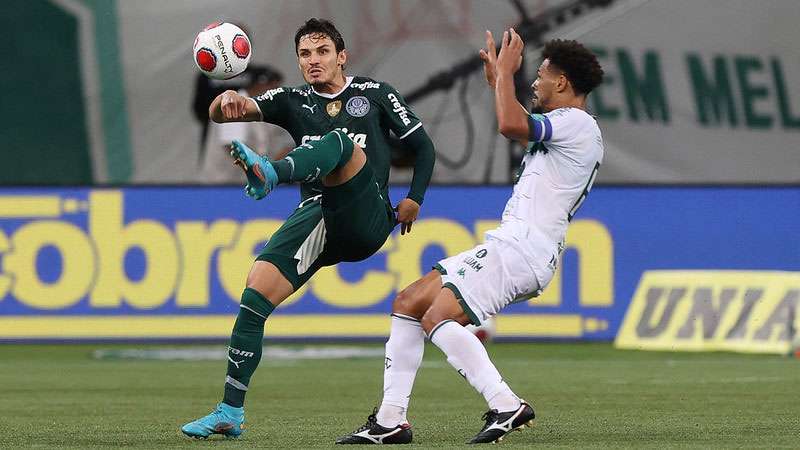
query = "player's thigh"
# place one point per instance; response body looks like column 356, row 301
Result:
column 357, row 217
column 414, row 300
column 445, row 307
column 296, row 249
column 487, row 278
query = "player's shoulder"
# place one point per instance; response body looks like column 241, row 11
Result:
column 569, row 113
column 369, row 86
column 572, row 116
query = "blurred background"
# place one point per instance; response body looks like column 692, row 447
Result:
column 115, row 225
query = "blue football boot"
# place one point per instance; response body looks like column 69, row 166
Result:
column 261, row 176
column 225, row 420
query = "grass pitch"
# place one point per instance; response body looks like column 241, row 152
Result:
column 585, row 396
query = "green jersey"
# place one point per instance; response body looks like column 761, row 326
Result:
column 365, row 109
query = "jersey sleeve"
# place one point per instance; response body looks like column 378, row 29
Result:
column 401, row 119
column 554, row 127
column 274, row 106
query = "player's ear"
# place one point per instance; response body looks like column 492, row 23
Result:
column 341, row 58
column 561, row 83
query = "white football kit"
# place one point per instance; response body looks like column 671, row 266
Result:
column 518, row 259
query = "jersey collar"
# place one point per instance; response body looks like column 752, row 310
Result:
column 347, row 82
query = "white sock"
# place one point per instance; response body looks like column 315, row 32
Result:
column 468, row 356
column 403, row 357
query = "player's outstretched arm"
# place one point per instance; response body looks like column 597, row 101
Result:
column 512, row 120
column 408, row 208
column 232, row 107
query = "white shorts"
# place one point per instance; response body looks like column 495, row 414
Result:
column 488, row 277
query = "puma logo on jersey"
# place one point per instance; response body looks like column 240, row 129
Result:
column 310, row 108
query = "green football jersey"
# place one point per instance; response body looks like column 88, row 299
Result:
column 365, row 109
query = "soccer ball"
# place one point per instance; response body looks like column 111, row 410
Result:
column 222, row 50
column 485, row 332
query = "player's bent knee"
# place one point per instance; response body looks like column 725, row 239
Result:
column 430, row 320
column 407, row 304
column 267, row 280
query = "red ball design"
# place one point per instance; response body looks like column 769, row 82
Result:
column 241, row 46
column 206, row 59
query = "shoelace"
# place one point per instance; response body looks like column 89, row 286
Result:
column 371, row 420
column 489, row 416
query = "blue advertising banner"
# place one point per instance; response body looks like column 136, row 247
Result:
column 171, row 262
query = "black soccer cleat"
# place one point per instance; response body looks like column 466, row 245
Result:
column 373, row 433
column 498, row 424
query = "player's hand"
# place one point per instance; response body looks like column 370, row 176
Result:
column 509, row 59
column 489, row 57
column 233, row 105
column 407, row 212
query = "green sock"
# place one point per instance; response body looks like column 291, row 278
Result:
column 244, row 350
column 314, row 160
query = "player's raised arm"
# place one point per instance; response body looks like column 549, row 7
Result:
column 512, row 120
column 489, row 57
column 230, row 106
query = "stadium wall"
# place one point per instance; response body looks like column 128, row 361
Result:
column 170, row 263
column 696, row 92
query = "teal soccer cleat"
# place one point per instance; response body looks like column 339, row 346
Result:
column 261, row 176
column 225, row 420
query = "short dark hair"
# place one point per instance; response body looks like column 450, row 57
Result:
column 578, row 63
column 319, row 26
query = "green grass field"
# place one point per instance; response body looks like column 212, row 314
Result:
column 585, row 395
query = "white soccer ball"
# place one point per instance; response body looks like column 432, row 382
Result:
column 485, row 332
column 222, row 50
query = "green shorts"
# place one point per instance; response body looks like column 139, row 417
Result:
column 349, row 222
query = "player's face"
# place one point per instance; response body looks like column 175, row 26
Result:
column 547, row 79
column 318, row 60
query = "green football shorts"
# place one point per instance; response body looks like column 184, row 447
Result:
column 349, row 222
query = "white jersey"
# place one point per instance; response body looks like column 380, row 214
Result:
column 565, row 151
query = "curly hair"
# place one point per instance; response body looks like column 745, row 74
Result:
column 578, row 63
column 319, row 26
